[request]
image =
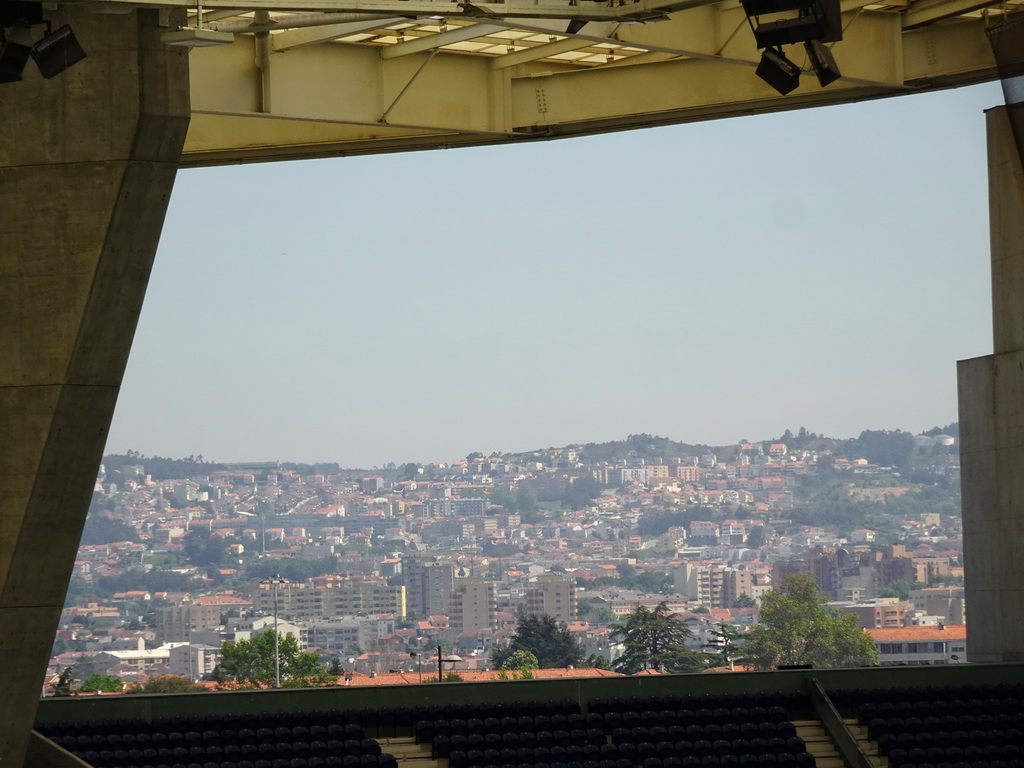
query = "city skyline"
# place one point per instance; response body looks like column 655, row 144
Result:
column 708, row 282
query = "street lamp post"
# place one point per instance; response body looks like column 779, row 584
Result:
column 274, row 581
column 441, row 661
column 419, row 663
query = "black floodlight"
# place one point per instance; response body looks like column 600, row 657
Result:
column 814, row 20
column 772, row 34
column 765, row 7
column 14, row 55
column 778, row 71
column 822, row 62
column 17, row 13
column 830, row 16
column 57, row 51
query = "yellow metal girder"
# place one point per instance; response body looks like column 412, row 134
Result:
column 329, row 98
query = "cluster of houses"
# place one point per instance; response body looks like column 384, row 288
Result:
column 411, row 558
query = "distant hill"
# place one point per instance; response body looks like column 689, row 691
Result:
column 643, row 446
column 886, row 447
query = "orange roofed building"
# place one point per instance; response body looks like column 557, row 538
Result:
column 920, row 646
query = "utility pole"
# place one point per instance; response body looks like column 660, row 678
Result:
column 274, row 581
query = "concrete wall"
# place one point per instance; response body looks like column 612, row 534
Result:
column 87, row 163
column 991, row 394
column 582, row 690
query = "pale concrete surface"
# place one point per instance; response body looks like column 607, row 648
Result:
column 991, row 394
column 43, row 753
column 86, row 170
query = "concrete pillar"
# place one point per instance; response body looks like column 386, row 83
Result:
column 87, row 163
column 991, row 394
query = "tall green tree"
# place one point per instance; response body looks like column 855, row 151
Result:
column 796, row 627
column 521, row 660
column 725, row 642
column 251, row 662
column 166, row 684
column 655, row 639
column 744, row 601
column 551, row 644
column 101, row 682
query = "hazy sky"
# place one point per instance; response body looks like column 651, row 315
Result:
column 824, row 268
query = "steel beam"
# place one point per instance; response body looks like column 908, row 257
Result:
column 474, row 99
column 297, row 38
column 431, row 42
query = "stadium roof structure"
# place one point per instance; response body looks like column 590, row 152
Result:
column 313, row 78
column 89, row 157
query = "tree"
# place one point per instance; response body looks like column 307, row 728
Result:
column 725, row 642
column 898, row 588
column 63, row 685
column 654, row 639
column 521, row 660
column 251, row 663
column 205, row 550
column 102, row 683
column 552, row 645
column 526, row 500
column 796, row 628
column 597, row 614
column 744, row 601
column 103, row 529
column 756, row 538
column 166, row 684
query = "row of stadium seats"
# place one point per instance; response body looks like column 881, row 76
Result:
column 207, row 761
column 407, row 717
column 780, row 733
column 925, row 739
column 943, row 727
column 636, row 752
column 742, row 761
column 936, row 696
column 708, row 701
column 280, row 740
column 899, row 757
column 754, row 717
column 990, row 707
column 351, row 738
column 947, row 724
column 333, row 725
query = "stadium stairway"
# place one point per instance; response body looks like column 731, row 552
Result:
column 867, row 746
column 411, row 754
column 819, row 744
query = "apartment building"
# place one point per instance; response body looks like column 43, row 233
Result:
column 193, row 661
column 474, row 603
column 428, row 585
column 880, row 613
column 338, row 635
column 344, row 597
column 715, row 585
column 553, row 595
column 175, row 623
column 947, row 602
column 920, row 646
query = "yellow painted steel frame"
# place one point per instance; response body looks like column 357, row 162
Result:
column 332, row 98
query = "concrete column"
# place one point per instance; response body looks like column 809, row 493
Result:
column 991, row 394
column 87, row 163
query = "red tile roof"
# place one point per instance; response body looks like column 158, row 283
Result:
column 911, row 634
